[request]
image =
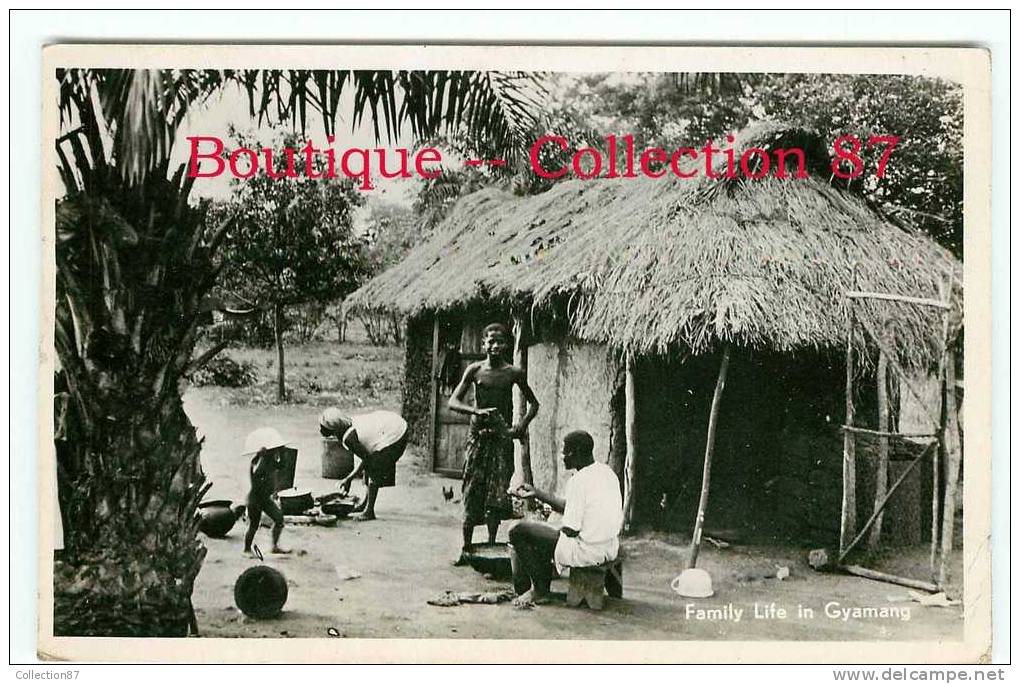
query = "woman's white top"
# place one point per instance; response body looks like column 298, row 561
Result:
column 377, row 430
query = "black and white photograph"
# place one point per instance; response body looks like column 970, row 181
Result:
column 543, row 345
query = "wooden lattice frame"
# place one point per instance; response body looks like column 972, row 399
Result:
column 946, row 438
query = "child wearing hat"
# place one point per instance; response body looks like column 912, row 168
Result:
column 263, row 446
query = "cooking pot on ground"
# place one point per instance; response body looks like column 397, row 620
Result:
column 295, row 501
column 216, row 518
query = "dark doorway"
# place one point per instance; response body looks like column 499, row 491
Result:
column 776, row 473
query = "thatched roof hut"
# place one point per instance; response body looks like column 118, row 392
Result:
column 649, row 264
column 659, row 271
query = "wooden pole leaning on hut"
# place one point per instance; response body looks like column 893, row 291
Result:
column 630, row 416
column 945, row 294
column 848, row 516
column 867, row 573
column 882, row 462
column 434, row 389
column 706, row 476
column 951, row 445
column 522, row 447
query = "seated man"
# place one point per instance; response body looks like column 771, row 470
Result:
column 589, row 531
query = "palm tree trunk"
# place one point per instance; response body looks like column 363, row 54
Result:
column 133, row 478
column 133, row 264
column 134, row 575
column 281, row 386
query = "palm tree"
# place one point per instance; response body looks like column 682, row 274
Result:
column 134, row 260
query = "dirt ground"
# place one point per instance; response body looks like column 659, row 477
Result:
column 373, row 579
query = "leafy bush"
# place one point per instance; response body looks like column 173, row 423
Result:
column 224, row 371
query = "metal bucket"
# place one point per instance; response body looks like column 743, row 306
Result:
column 337, row 462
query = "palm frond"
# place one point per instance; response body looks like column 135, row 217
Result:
column 142, row 109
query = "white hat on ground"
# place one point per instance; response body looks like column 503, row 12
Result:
column 693, row 583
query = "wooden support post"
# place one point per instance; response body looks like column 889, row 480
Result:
column 945, row 293
column 951, row 443
column 699, row 522
column 630, row 463
column 885, row 296
column 936, row 480
column 522, row 448
column 434, row 403
column 882, row 462
column 848, row 517
column 929, row 436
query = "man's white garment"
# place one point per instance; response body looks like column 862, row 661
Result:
column 377, row 430
column 595, row 509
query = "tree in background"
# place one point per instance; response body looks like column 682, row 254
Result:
column 583, row 109
column 390, row 231
column 436, row 196
column 565, row 114
column 923, row 183
column 291, row 243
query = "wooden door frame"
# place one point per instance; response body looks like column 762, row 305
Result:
column 435, row 409
column 434, row 402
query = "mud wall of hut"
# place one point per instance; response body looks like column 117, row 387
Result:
column 416, row 399
column 577, row 386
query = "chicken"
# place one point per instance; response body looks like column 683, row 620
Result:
column 447, row 494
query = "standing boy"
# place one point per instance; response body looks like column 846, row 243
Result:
column 489, row 456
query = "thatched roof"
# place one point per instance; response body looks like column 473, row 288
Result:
column 647, row 264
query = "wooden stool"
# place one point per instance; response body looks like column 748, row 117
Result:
column 592, row 583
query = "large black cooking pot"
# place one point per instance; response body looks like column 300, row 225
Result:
column 216, row 518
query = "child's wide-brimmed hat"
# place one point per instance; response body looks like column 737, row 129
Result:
column 263, row 438
column 334, row 420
